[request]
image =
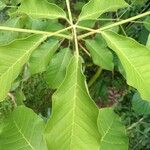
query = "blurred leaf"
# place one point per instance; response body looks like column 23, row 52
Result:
column 42, row 56
column 2, row 5
column 56, row 71
column 147, row 23
column 8, row 36
column 101, row 55
column 148, row 42
column 140, row 106
column 19, row 97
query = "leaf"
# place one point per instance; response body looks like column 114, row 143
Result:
column 41, row 9
column 147, row 23
column 113, row 132
column 100, row 54
column 56, row 71
column 72, row 125
column 94, row 8
column 19, row 97
column 42, row 56
column 139, row 105
column 7, row 37
column 148, row 42
column 2, row 5
column 12, row 59
column 23, row 129
column 135, row 61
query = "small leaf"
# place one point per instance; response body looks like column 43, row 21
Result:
column 23, row 129
column 72, row 125
column 41, row 9
column 147, row 23
column 2, row 5
column 113, row 132
column 19, row 97
column 42, row 56
column 12, row 59
column 148, row 42
column 56, row 71
column 135, row 59
column 94, row 8
column 139, row 105
column 100, row 53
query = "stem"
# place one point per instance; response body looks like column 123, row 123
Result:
column 135, row 124
column 76, row 40
column 84, row 50
column 94, row 78
column 37, row 31
column 113, row 25
column 74, row 31
column 69, row 12
column 12, row 99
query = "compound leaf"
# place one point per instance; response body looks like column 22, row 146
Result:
column 72, row 125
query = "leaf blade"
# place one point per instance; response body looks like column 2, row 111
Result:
column 42, row 56
column 135, row 61
column 16, row 133
column 41, row 9
column 100, row 54
column 12, row 59
column 67, row 121
column 112, row 130
column 94, row 8
column 56, row 71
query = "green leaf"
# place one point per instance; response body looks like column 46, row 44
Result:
column 135, row 59
column 5, row 36
column 139, row 105
column 23, row 129
column 19, row 97
column 12, row 59
column 2, row 5
column 73, row 124
column 56, row 71
column 42, row 56
column 148, row 42
column 100, row 54
column 112, row 130
column 94, row 8
column 147, row 23
column 41, row 9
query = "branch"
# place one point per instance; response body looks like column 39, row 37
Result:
column 57, row 33
column 92, row 31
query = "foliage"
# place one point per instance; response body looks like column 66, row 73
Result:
column 57, row 45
